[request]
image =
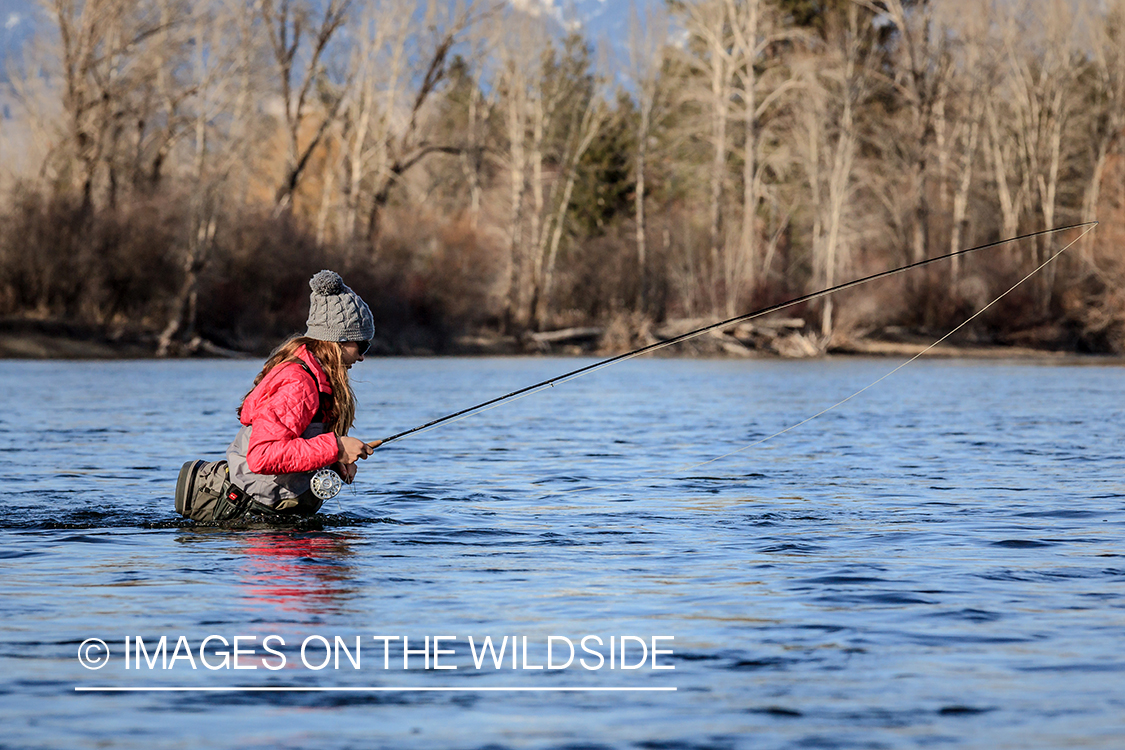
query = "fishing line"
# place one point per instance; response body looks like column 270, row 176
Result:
column 566, row 377
column 864, row 389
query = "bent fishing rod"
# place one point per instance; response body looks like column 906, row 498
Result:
column 565, row 377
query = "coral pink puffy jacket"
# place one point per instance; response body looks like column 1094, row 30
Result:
column 279, row 410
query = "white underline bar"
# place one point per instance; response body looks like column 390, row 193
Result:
column 284, row 689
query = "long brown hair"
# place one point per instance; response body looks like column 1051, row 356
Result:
column 342, row 414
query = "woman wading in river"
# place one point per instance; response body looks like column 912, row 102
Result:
column 295, row 420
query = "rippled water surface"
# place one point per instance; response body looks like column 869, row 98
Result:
column 938, row 562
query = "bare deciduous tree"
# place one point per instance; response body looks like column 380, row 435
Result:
column 648, row 40
column 1104, row 113
column 969, row 86
column 299, row 46
column 715, row 63
column 583, row 126
column 838, row 81
column 218, row 83
column 1042, row 75
column 435, row 33
column 921, row 77
column 101, row 47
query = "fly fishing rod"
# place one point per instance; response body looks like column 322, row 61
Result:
column 551, row 382
column 326, row 483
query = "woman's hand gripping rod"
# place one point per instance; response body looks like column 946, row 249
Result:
column 327, row 483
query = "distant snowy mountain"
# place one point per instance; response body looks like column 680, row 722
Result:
column 602, row 20
column 605, row 23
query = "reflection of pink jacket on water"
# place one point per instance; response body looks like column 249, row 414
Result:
column 279, row 444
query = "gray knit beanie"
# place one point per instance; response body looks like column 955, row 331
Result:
column 336, row 313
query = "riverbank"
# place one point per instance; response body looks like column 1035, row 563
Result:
column 46, row 339
column 52, row 339
column 784, row 338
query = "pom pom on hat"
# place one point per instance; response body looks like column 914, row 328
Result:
column 336, row 313
column 326, row 283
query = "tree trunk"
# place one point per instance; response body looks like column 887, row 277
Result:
column 745, row 265
column 720, row 98
column 639, row 213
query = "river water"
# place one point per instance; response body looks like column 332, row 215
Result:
column 940, row 561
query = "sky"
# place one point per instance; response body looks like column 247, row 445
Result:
column 602, row 20
column 15, row 25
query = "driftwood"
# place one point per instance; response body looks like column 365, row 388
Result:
column 201, row 346
column 567, row 336
column 779, row 336
column 772, row 326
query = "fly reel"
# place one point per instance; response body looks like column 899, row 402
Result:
column 326, row 484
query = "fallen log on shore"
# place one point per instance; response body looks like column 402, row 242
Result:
column 568, row 335
column 782, row 337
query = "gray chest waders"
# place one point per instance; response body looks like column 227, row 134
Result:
column 204, row 493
